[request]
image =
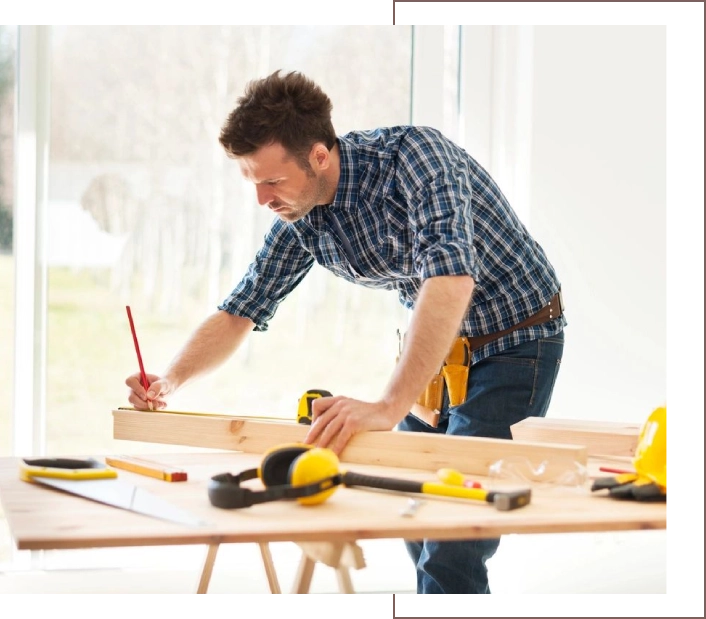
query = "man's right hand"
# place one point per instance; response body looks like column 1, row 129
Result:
column 209, row 346
column 158, row 390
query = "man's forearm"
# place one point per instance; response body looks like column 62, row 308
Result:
column 216, row 339
column 438, row 312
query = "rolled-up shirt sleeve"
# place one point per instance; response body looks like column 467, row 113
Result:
column 279, row 266
column 439, row 192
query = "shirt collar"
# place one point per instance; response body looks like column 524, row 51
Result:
column 346, row 193
column 347, row 190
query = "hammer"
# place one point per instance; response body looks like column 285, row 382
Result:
column 503, row 501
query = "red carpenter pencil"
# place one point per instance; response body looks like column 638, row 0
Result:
column 607, row 469
column 145, row 382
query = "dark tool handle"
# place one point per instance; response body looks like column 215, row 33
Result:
column 65, row 463
column 384, row 483
column 608, row 483
column 639, row 492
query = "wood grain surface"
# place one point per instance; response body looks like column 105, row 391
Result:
column 44, row 518
column 601, row 438
column 398, row 449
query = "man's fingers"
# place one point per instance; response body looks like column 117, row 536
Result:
column 341, row 441
column 320, row 405
column 328, row 429
column 314, row 430
column 159, row 389
column 322, row 413
column 138, row 402
column 336, row 420
column 134, row 383
column 146, row 405
column 151, row 398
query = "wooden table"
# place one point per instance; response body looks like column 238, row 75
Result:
column 41, row 519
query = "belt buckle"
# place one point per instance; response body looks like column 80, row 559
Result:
column 561, row 302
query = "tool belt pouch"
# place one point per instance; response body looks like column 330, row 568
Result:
column 453, row 376
column 433, row 396
column 456, row 377
column 456, row 370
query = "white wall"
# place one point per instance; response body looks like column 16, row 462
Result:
column 572, row 123
column 598, row 206
column 571, row 120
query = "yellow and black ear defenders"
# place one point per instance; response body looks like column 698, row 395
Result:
column 294, row 471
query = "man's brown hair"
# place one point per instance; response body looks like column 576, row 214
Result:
column 290, row 110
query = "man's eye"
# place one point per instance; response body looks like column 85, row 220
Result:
column 273, row 183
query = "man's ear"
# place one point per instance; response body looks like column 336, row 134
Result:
column 320, row 156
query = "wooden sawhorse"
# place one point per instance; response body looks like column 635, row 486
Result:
column 342, row 556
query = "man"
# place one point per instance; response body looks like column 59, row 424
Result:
column 399, row 208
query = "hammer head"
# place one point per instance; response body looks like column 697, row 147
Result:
column 505, row 501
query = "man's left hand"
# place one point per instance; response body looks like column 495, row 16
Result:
column 336, row 420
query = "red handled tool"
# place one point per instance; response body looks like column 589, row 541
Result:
column 145, row 382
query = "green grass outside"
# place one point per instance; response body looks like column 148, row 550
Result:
column 90, row 353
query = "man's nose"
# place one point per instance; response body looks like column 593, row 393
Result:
column 264, row 194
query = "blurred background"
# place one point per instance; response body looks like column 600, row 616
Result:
column 114, row 191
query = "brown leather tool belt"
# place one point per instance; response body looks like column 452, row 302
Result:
column 453, row 375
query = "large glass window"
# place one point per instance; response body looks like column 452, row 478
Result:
column 146, row 210
column 8, row 48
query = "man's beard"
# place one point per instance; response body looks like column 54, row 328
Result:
column 313, row 195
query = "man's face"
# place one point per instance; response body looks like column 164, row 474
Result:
column 281, row 184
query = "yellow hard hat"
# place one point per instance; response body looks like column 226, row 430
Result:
column 651, row 452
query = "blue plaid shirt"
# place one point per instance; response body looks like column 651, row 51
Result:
column 412, row 205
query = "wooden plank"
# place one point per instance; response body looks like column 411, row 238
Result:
column 414, row 450
column 601, row 438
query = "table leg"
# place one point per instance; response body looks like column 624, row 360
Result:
column 302, row 582
column 343, row 576
column 339, row 555
column 207, row 568
column 269, row 568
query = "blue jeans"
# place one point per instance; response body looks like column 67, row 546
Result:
column 502, row 390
